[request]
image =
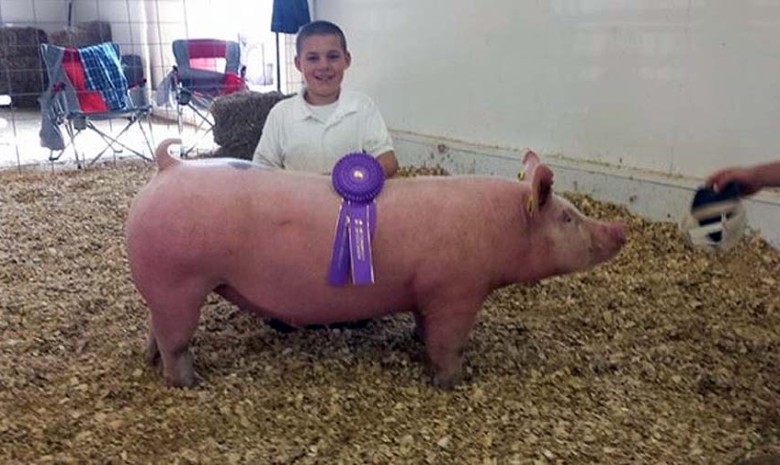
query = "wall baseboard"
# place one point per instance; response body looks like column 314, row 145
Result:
column 655, row 196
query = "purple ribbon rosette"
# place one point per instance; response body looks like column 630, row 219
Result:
column 358, row 179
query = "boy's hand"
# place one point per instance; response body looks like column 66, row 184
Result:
column 389, row 163
column 746, row 177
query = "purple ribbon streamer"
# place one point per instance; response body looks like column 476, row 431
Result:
column 339, row 260
column 360, row 242
column 340, row 263
column 358, row 178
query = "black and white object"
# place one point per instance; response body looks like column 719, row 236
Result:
column 716, row 220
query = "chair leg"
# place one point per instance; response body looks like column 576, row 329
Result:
column 205, row 125
column 180, row 125
column 108, row 139
column 206, row 128
column 56, row 154
column 148, row 138
column 72, row 133
column 150, row 141
column 112, row 140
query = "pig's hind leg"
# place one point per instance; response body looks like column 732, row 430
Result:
column 445, row 330
column 173, row 321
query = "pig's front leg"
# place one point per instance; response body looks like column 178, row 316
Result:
column 445, row 330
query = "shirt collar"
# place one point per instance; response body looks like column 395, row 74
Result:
column 347, row 104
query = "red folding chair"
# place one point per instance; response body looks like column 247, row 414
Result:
column 87, row 85
column 205, row 69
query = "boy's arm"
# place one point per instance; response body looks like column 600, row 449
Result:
column 752, row 178
column 377, row 140
column 389, row 163
column 769, row 174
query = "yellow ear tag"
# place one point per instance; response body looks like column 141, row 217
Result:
column 521, row 176
column 530, row 206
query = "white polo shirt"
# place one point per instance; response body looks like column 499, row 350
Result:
column 298, row 136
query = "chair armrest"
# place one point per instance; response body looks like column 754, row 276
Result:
column 198, row 79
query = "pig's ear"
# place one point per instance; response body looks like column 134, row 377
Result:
column 541, row 179
column 530, row 159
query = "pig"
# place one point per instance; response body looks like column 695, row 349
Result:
column 262, row 238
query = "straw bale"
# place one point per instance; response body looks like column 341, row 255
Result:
column 239, row 118
column 21, row 70
column 83, row 34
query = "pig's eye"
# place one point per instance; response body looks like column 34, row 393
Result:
column 567, row 217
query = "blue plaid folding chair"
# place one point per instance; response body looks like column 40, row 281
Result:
column 87, row 85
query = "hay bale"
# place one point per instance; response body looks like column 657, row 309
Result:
column 238, row 121
column 21, row 70
column 83, row 34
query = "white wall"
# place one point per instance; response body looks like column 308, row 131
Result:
column 45, row 14
column 675, row 86
column 651, row 94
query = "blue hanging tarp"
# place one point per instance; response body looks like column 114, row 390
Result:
column 289, row 15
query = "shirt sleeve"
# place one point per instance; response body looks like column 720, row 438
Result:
column 269, row 150
column 377, row 138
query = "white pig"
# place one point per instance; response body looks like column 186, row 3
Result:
column 263, row 238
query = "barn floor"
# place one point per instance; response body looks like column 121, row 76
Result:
column 664, row 355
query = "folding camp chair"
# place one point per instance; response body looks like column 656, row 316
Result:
column 87, row 85
column 205, row 69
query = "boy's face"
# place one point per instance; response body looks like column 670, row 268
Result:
column 322, row 62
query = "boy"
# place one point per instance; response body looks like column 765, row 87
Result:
column 314, row 129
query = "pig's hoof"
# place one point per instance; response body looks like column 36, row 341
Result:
column 446, row 383
column 280, row 326
column 189, row 381
column 153, row 358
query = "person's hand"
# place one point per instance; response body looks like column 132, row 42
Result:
column 389, row 163
column 745, row 176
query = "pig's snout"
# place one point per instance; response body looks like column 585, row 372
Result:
column 617, row 232
column 608, row 240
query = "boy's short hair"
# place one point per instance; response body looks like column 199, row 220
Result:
column 319, row 28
